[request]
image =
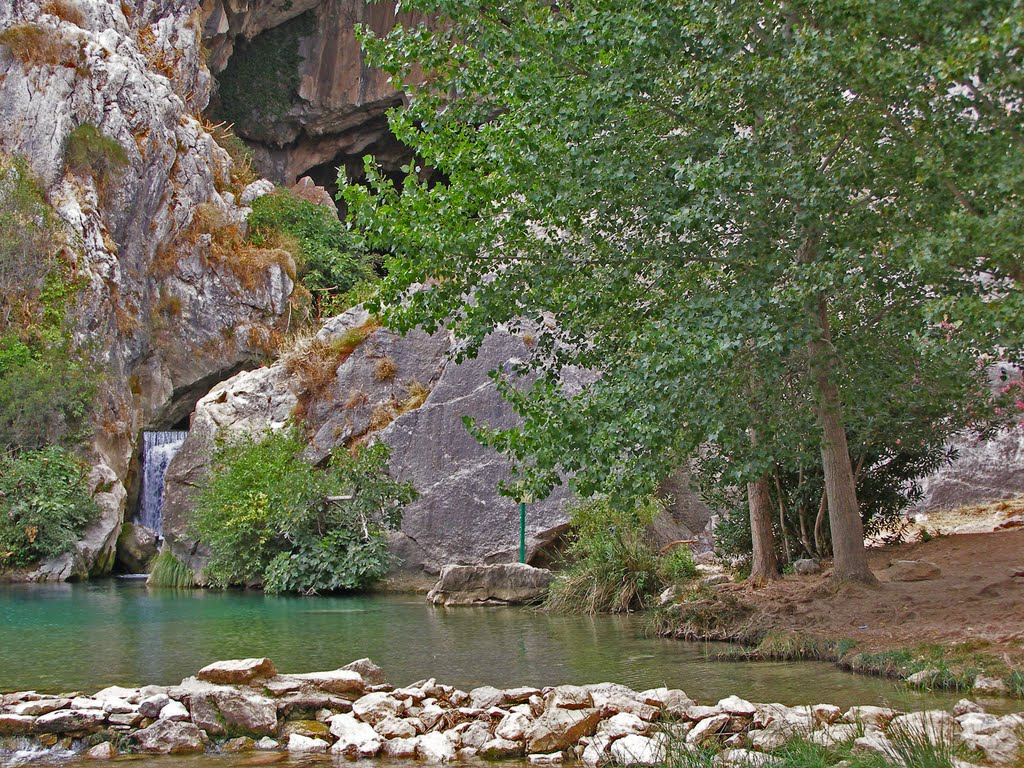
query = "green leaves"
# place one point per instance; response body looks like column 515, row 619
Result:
column 45, row 503
column 631, row 184
column 271, row 518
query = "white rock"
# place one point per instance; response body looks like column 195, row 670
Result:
column 637, row 750
column 354, row 736
column 86, row 702
column 374, row 707
column 174, row 710
column 257, row 189
column 623, row 724
column 707, row 729
column 513, row 726
column 299, row 743
column 401, row 747
column 734, row 705
column 435, row 748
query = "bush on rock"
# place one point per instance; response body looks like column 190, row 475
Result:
column 269, row 517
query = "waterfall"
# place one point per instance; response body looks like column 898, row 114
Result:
column 158, row 448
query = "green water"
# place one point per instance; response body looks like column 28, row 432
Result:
column 88, row 636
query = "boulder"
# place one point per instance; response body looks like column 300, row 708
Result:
column 152, row 706
column 612, row 698
column 102, row 751
column 559, row 729
column 367, row 670
column 806, row 566
column 167, row 737
column 435, row 748
column 394, row 728
column 552, row 758
column 500, row 749
column 136, row 546
column 623, row 724
column 237, row 671
column 375, row 707
column 638, row 750
column 568, row 697
column 513, row 726
column 502, row 583
column 240, row 744
column 174, row 710
column 912, row 570
column 299, row 743
column 989, row 686
column 41, row 706
column 400, row 747
column 70, row 721
column 224, row 710
column 486, row 696
column 354, row 737
column 708, row 729
column 16, row 725
column 343, row 682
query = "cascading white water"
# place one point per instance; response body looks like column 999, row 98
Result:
column 158, row 448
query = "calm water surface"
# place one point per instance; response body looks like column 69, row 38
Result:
column 88, row 636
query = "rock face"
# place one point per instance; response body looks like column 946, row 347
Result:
column 168, row 311
column 984, row 471
column 417, row 409
column 501, row 584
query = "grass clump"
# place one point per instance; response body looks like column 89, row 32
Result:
column 271, row 518
column 45, row 504
column 67, row 10
column 316, row 362
column 612, row 564
column 385, row 369
column 416, row 394
column 35, row 46
column 166, row 570
column 88, row 152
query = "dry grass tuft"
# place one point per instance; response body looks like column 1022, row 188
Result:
column 229, row 248
column 382, row 415
column 316, row 362
column 67, row 10
column 242, row 173
column 416, row 395
column 35, row 45
column 355, row 399
column 385, row 369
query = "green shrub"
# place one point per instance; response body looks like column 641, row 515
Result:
column 168, row 571
column 330, row 259
column 46, row 394
column 678, row 565
column 89, row 152
column 44, row 505
column 266, row 515
column 613, row 566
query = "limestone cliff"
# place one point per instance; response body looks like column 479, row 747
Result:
column 167, row 306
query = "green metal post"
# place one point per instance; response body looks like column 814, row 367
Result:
column 522, row 531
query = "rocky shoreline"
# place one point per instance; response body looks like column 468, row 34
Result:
column 244, row 705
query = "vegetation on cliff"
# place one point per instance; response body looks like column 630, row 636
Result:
column 271, row 518
column 331, row 260
column 47, row 385
column 787, row 235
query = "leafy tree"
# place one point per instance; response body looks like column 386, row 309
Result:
column 729, row 210
column 271, row 518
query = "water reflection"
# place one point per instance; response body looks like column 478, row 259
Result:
column 87, row 636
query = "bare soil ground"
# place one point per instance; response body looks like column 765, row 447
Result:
column 978, row 599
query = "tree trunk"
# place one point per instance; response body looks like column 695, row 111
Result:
column 849, row 557
column 766, row 563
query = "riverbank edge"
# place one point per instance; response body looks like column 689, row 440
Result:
column 959, row 667
column 245, row 705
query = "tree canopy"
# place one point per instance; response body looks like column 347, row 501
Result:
column 778, row 230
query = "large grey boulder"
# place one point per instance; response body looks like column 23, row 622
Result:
column 168, row 737
column 503, row 583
